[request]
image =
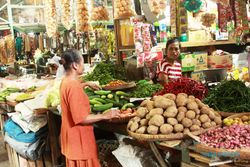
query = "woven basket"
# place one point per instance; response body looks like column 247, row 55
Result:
column 239, row 115
column 197, row 133
column 121, row 87
column 228, row 114
column 160, row 137
column 236, row 153
column 121, row 120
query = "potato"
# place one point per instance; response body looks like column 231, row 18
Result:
column 192, row 105
column 172, row 121
column 152, row 129
column 205, row 110
column 190, row 114
column 218, row 120
column 186, row 130
column 166, row 129
column 191, row 98
column 244, row 118
column 156, row 111
column 197, row 116
column 204, row 118
column 141, row 130
column 186, row 122
column 182, row 109
column 200, row 104
column 171, row 112
column 136, row 119
column 211, row 115
column 130, row 123
column 181, row 100
column 180, row 116
column 144, row 122
column 144, row 103
column 170, row 96
column 196, row 122
column 141, row 112
column 162, row 102
column 150, row 105
column 156, row 120
column 183, row 94
column 197, row 111
column 213, row 123
column 134, row 126
column 178, row 128
column 194, row 128
column 148, row 116
column 206, row 125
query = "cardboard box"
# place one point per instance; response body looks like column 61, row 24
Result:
column 200, row 61
column 197, row 36
column 198, row 76
column 187, row 62
column 224, row 61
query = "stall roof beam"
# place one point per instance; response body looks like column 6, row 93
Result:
column 2, row 7
column 6, row 21
column 27, row 6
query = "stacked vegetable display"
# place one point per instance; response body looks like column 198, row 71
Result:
column 170, row 114
column 6, row 92
column 230, row 96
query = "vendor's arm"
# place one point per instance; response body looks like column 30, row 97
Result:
column 162, row 78
column 91, row 85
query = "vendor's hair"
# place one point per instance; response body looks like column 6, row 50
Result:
column 173, row 40
column 69, row 57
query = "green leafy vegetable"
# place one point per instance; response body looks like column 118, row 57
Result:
column 145, row 89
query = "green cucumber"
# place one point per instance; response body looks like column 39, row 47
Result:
column 121, row 93
column 128, row 105
column 94, row 96
column 117, row 100
column 103, row 97
column 102, row 92
column 110, row 96
column 100, row 108
column 114, row 102
column 93, row 102
column 100, row 100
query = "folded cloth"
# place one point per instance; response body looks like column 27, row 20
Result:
column 26, row 112
column 32, row 151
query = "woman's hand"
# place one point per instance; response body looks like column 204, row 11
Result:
column 91, row 85
column 111, row 114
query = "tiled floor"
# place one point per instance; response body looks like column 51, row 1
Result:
column 4, row 161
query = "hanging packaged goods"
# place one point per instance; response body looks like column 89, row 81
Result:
column 82, row 17
column 10, row 48
column 157, row 6
column 123, row 9
column 51, row 24
column 99, row 11
column 67, row 17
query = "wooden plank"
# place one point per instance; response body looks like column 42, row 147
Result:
column 15, row 158
column 31, row 163
column 9, row 155
column 200, row 158
column 23, row 162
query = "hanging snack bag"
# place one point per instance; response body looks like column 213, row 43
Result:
column 157, row 7
column 123, row 9
column 99, row 11
column 82, row 16
column 51, row 25
column 67, row 17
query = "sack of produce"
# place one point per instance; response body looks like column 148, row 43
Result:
column 123, row 9
column 82, row 16
column 99, row 11
column 67, row 13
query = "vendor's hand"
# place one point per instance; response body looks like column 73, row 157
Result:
column 93, row 86
column 111, row 114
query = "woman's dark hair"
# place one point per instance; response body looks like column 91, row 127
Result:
column 172, row 40
column 69, row 57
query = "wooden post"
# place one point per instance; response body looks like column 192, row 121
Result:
column 157, row 154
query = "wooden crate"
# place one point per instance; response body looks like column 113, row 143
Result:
column 16, row 160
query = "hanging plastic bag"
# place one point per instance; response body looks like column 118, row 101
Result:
column 99, row 11
column 51, row 25
column 67, row 17
column 82, row 17
column 157, row 7
column 123, row 9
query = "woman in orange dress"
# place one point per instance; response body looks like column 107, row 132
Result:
column 77, row 136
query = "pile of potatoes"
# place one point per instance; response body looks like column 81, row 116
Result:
column 123, row 8
column 169, row 114
column 82, row 16
column 51, row 25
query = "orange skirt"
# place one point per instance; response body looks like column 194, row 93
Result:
column 83, row 163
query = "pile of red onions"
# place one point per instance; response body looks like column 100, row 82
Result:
column 185, row 85
column 230, row 137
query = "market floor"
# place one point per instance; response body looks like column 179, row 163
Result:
column 4, row 161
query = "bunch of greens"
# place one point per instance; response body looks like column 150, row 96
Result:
column 106, row 72
column 230, row 96
column 145, row 89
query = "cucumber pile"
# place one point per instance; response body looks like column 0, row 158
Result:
column 103, row 100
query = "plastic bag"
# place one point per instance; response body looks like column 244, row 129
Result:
column 123, row 9
column 157, row 7
column 67, row 17
column 82, row 16
column 99, row 11
column 51, row 25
